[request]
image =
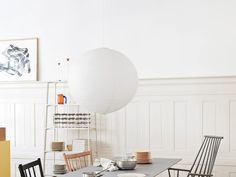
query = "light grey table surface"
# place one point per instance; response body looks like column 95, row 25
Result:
column 157, row 166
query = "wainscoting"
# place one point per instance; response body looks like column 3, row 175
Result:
column 169, row 117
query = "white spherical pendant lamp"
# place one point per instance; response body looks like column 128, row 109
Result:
column 103, row 80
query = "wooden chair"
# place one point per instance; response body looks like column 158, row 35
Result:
column 204, row 162
column 78, row 160
column 30, row 170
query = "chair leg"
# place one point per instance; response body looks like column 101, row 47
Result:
column 169, row 173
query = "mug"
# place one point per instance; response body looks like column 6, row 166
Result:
column 69, row 147
column 61, row 99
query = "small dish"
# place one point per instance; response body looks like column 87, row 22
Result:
column 131, row 175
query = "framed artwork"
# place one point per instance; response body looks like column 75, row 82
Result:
column 18, row 59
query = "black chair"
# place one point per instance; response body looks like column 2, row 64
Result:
column 30, row 170
column 204, row 162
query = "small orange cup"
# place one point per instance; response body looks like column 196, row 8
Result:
column 61, row 99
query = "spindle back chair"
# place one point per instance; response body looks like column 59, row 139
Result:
column 205, row 160
column 31, row 169
column 78, row 160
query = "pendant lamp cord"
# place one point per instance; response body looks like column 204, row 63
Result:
column 102, row 27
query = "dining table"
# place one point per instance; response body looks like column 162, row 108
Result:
column 157, row 166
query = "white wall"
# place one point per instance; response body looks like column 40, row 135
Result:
column 164, row 38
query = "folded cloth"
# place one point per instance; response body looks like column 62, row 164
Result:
column 96, row 162
column 108, row 164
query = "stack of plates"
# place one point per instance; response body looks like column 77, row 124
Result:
column 143, row 157
column 59, row 169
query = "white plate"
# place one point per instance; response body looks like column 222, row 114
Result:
column 131, row 175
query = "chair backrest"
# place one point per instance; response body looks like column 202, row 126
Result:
column 78, row 160
column 204, row 162
column 31, row 169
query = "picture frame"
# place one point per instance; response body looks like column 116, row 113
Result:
column 19, row 59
